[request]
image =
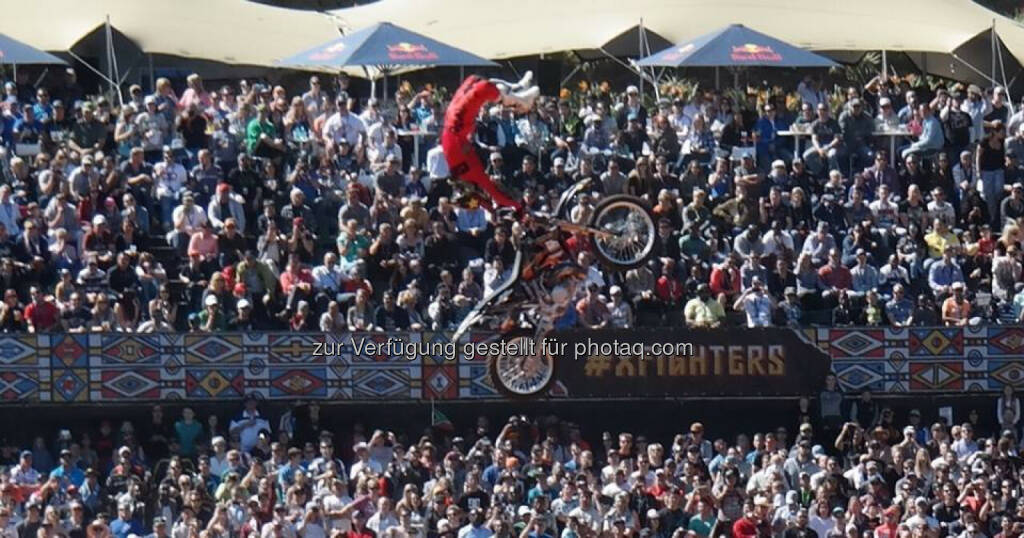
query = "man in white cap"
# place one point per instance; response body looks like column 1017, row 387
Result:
column 619, row 310
column 99, row 241
column 633, row 107
column 243, row 321
column 154, row 128
column 887, row 117
column 83, row 176
column 956, row 309
column 212, row 318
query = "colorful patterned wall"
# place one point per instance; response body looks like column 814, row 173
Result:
column 60, row 368
column 925, row 360
column 96, row 368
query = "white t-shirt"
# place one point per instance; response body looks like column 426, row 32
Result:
column 251, row 425
column 347, row 127
column 333, row 503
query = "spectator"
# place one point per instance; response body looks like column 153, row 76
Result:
column 757, row 305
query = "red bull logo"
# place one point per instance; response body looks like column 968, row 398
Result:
column 750, row 52
column 328, row 53
column 409, row 51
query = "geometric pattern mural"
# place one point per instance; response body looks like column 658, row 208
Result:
column 119, row 367
column 925, row 359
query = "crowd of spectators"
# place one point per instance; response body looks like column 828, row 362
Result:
column 837, row 467
column 246, row 208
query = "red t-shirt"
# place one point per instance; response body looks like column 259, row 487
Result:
column 886, row 531
column 744, row 528
column 289, row 280
column 668, row 289
column 366, row 533
column 43, row 316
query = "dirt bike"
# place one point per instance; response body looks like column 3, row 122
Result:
column 542, row 282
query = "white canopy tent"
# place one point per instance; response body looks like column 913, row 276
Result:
column 541, row 26
column 229, row 31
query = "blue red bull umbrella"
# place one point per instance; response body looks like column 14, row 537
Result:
column 735, row 46
column 13, row 51
column 384, row 44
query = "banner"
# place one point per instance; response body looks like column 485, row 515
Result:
column 101, row 368
column 680, row 362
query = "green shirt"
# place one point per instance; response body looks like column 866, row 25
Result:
column 220, row 322
column 187, row 435
column 255, row 129
column 701, row 526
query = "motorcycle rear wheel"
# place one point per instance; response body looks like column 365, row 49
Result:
column 523, row 377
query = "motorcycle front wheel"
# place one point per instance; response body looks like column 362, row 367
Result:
column 624, row 232
column 523, row 376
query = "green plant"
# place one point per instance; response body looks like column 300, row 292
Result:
column 867, row 68
column 678, row 88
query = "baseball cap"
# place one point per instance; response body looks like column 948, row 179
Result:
column 211, row 300
column 243, row 304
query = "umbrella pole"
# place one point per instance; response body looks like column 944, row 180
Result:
column 885, row 64
column 718, row 84
column 992, row 38
column 640, row 47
